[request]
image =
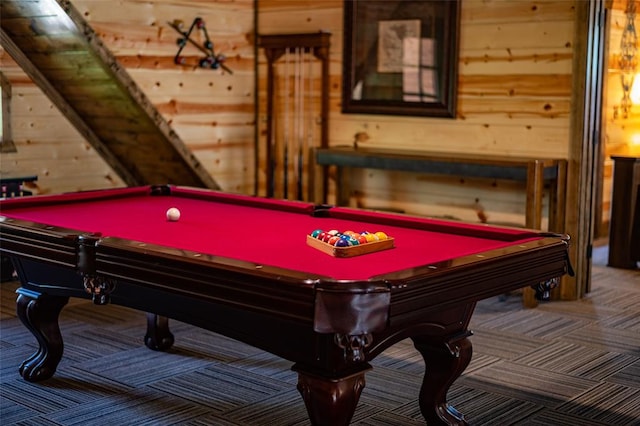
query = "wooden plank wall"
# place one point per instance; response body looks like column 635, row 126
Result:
column 619, row 132
column 211, row 110
column 47, row 145
column 515, row 77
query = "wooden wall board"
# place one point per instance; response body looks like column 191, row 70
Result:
column 237, row 63
column 530, row 85
column 216, row 137
column 529, row 113
column 173, row 107
column 203, row 84
column 513, row 61
column 435, row 135
column 74, row 148
column 221, row 16
column 286, row 6
column 501, row 36
column 517, row 11
column 160, row 40
column 324, row 16
column 37, row 130
column 80, row 167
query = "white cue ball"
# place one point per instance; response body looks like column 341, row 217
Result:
column 173, row 214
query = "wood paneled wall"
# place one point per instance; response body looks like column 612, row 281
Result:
column 619, row 132
column 515, row 98
column 515, row 79
column 47, row 145
column 211, row 110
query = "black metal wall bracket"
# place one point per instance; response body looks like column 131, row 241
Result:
column 211, row 59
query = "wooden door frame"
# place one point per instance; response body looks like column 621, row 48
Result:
column 585, row 157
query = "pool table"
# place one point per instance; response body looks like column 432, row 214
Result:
column 241, row 266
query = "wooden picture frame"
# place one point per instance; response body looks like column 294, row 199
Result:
column 400, row 57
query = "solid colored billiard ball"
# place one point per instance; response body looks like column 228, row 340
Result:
column 333, row 240
column 371, row 238
column 315, row 233
column 173, row 214
column 381, row 235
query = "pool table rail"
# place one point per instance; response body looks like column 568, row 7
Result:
column 38, row 241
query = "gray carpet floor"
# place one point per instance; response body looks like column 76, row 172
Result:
column 562, row 363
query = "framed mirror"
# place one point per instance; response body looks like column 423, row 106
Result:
column 400, row 57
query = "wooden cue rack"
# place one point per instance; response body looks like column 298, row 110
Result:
column 275, row 46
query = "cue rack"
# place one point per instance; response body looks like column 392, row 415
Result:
column 296, row 122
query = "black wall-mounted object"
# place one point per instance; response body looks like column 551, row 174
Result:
column 211, row 59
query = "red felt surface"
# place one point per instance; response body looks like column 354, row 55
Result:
column 260, row 235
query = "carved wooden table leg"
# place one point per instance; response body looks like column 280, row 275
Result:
column 330, row 402
column 444, row 363
column 39, row 313
column 158, row 337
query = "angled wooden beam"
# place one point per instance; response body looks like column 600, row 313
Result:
column 58, row 100
column 58, row 49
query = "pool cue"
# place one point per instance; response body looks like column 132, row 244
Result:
column 286, row 124
column 301, row 129
column 272, row 147
column 308, row 142
column 296, row 103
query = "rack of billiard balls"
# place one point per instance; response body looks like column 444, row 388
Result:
column 349, row 243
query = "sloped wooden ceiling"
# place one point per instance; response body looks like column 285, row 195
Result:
column 56, row 47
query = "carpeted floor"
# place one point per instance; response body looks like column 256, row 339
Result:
column 563, row 363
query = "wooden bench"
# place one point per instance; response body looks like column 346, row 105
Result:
column 536, row 173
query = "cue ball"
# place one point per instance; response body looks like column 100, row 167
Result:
column 173, row 214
